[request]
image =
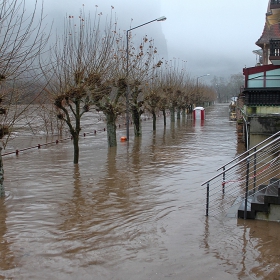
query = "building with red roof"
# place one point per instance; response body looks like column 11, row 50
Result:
column 259, row 101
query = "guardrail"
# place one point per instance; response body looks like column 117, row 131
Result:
column 70, row 137
column 253, row 168
column 48, row 143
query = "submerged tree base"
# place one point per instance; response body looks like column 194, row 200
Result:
column 2, row 190
column 111, row 131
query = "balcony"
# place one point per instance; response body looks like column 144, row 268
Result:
column 274, row 56
column 262, row 96
column 275, row 4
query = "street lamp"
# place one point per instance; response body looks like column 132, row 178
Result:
column 197, row 82
column 127, row 63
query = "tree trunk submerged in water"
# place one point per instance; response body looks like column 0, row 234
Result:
column 76, row 148
column 184, row 113
column 111, row 130
column 154, row 120
column 2, row 190
column 76, row 132
column 178, row 114
column 172, row 114
column 136, row 116
column 164, row 117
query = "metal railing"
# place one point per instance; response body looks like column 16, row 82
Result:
column 274, row 46
column 255, row 148
column 243, row 176
column 274, row 2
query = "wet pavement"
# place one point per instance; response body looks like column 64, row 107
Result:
column 132, row 212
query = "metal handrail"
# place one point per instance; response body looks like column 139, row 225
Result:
column 244, row 159
column 248, row 151
column 264, row 161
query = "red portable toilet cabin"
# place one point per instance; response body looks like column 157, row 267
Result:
column 199, row 113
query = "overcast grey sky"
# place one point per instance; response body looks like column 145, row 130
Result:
column 213, row 36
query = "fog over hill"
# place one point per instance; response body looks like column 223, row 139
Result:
column 215, row 37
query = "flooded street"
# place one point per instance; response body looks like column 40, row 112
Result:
column 132, row 212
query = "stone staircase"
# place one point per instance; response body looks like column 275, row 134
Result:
column 264, row 204
column 257, row 168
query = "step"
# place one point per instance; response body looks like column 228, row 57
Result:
column 255, row 203
column 241, row 212
column 259, row 202
column 272, row 194
column 272, row 190
column 259, row 195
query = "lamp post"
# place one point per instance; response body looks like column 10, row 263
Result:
column 197, row 82
column 127, row 64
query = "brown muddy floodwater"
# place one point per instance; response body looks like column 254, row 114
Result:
column 132, row 212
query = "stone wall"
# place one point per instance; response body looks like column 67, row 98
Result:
column 268, row 124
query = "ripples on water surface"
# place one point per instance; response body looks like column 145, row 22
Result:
column 131, row 212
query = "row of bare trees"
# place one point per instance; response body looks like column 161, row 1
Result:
column 87, row 69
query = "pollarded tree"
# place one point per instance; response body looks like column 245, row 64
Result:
column 22, row 36
column 107, row 83
column 208, row 95
column 173, row 82
column 109, row 90
column 108, row 87
column 155, row 100
column 162, row 106
column 83, row 52
column 158, row 87
column 187, row 89
column 108, row 96
column 143, row 64
column 22, row 39
column 136, row 107
column 190, row 89
column 152, row 100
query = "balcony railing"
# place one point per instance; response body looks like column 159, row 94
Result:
column 262, row 99
column 275, row 4
column 274, row 55
column 274, row 47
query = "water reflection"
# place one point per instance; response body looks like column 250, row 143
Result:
column 73, row 210
column 136, row 154
column 249, row 249
column 131, row 212
column 7, row 259
column 260, row 239
column 163, row 136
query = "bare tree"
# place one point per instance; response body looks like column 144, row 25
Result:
column 155, row 98
column 22, row 36
column 152, row 100
column 79, row 58
column 173, row 83
column 143, row 65
column 109, row 92
column 22, row 40
column 207, row 95
column 184, row 103
column 108, row 95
